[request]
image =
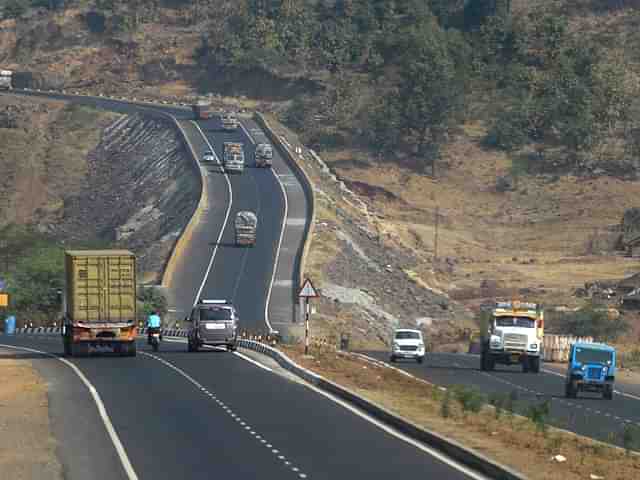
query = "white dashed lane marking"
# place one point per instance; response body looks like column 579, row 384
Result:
column 569, row 404
column 234, row 416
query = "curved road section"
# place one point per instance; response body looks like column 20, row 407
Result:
column 214, row 414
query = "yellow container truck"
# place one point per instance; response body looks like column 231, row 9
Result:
column 99, row 301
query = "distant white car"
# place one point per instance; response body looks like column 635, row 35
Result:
column 209, row 156
column 407, row 344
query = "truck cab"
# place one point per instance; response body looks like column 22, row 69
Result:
column 213, row 322
column 264, row 155
column 591, row 368
column 229, row 122
column 514, row 335
column 5, row 79
column 233, row 157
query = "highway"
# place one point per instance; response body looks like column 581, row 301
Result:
column 212, row 413
column 588, row 415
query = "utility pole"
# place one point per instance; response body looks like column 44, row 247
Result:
column 435, row 240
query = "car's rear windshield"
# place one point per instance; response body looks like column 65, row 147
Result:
column 208, row 152
column 407, row 335
column 515, row 322
column 586, row 355
column 215, row 313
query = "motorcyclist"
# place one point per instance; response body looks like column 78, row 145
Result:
column 153, row 325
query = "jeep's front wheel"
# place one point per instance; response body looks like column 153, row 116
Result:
column 608, row 392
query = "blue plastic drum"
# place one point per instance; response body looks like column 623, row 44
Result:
column 10, row 325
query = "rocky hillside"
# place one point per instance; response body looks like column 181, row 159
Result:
column 89, row 177
column 523, row 176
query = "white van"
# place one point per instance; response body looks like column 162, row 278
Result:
column 407, row 344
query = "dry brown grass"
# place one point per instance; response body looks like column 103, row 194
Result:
column 47, row 159
column 27, row 448
column 512, row 441
column 536, row 236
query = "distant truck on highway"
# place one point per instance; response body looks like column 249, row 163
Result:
column 6, row 77
column 202, row 110
column 99, row 301
column 229, row 122
column 264, row 155
column 246, row 225
column 233, row 157
column 592, row 368
column 514, row 335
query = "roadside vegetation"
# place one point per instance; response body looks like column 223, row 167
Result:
column 490, row 425
column 32, row 266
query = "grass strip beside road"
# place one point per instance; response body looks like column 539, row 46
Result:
column 27, row 447
column 526, row 445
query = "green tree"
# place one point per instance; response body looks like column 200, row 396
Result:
column 430, row 93
column 15, row 8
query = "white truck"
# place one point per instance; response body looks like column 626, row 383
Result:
column 6, row 77
column 229, row 122
column 264, row 155
column 514, row 335
column 246, row 225
column 233, row 158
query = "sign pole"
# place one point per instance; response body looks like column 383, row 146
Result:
column 306, row 326
column 307, row 291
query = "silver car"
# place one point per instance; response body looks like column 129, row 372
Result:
column 213, row 322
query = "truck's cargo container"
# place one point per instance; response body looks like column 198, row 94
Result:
column 246, row 224
column 100, row 301
column 202, row 110
column 6, row 77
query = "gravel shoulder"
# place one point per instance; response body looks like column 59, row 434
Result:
column 27, row 446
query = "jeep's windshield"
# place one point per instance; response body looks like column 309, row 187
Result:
column 407, row 335
column 585, row 355
column 210, row 314
column 525, row 322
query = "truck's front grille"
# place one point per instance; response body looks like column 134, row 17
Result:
column 516, row 341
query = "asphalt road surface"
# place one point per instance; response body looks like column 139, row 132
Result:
column 214, row 414
column 588, row 415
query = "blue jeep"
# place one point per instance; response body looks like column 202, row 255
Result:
column 592, row 368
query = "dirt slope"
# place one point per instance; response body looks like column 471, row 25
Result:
column 85, row 176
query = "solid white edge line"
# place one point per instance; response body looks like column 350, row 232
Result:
column 282, row 229
column 251, row 360
column 390, row 430
column 246, row 132
column 238, row 354
column 226, row 218
column 122, row 454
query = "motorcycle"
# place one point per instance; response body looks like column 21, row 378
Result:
column 155, row 341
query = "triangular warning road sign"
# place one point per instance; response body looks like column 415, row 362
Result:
column 307, row 290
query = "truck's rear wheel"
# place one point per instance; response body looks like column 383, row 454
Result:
column 571, row 389
column 79, row 349
column 491, row 362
